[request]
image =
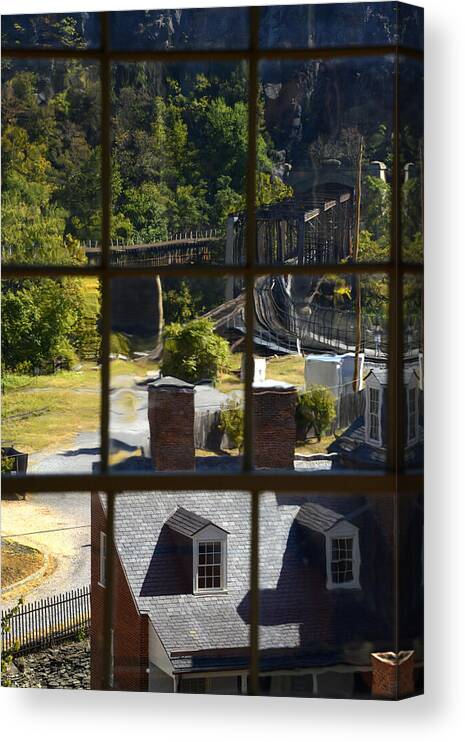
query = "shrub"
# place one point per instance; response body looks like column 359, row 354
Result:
column 193, row 351
column 316, row 408
column 232, row 423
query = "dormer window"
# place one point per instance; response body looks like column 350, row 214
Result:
column 342, row 556
column 210, row 565
column 202, row 547
column 373, row 414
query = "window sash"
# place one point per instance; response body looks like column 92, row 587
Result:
column 251, row 481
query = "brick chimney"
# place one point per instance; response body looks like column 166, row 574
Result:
column 171, row 421
column 274, row 406
column 393, row 676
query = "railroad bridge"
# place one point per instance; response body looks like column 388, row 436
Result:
column 312, row 228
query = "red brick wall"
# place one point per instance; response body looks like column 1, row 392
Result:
column 274, row 428
column 171, row 420
column 130, row 637
column 392, row 680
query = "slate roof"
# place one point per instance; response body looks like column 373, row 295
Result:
column 170, row 381
column 187, row 523
column 302, row 623
column 317, row 518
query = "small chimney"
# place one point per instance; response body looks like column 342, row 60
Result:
column 274, row 406
column 171, row 421
column 392, row 675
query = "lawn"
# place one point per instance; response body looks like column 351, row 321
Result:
column 39, row 411
column 280, row 368
column 18, row 561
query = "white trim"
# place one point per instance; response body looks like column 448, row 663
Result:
column 372, row 383
column 208, row 534
column 341, row 530
column 102, row 559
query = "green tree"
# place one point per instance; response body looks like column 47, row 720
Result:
column 194, row 351
column 232, row 423
column 316, row 409
column 42, row 321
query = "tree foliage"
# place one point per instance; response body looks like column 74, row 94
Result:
column 232, row 423
column 316, row 410
column 194, row 351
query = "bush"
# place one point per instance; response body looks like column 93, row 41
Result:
column 119, row 343
column 193, row 351
column 232, row 423
column 316, row 409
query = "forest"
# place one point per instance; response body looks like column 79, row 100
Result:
column 179, row 156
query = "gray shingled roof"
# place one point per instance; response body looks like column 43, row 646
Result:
column 170, row 381
column 202, row 630
column 188, row 523
column 317, row 518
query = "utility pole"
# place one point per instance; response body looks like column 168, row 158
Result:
column 358, row 292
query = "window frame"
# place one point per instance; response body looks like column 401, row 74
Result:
column 210, row 534
column 374, row 386
column 343, row 531
column 393, row 479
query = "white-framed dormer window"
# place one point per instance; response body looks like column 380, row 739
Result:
column 210, row 561
column 373, row 414
column 103, row 559
column 412, row 414
column 342, row 557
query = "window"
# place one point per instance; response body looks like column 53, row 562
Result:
column 412, row 414
column 103, row 559
column 374, row 414
column 342, row 556
column 210, row 566
column 341, row 560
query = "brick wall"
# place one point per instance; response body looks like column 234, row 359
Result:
column 274, row 427
column 171, row 420
column 130, row 628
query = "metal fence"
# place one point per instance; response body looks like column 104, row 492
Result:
column 40, row 624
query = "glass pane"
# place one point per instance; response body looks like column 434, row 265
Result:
column 51, row 161
column 413, row 373
column 176, row 375
column 181, row 30
column 338, row 24
column 179, row 162
column 411, row 158
column 320, row 385
column 46, row 564
column 51, row 31
column 191, row 640
column 323, row 624
column 328, row 127
column 51, row 376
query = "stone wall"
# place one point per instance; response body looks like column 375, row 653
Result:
column 64, row 666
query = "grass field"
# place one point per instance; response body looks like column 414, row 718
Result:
column 18, row 561
column 280, row 368
column 40, row 411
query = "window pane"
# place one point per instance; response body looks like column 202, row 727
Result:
column 321, row 391
column 413, row 373
column 51, row 31
column 411, row 147
column 46, row 563
column 181, row 30
column 200, row 633
column 51, row 379
column 179, row 162
column 328, row 124
column 341, row 24
column 177, row 329
column 318, row 638
column 51, row 197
